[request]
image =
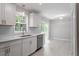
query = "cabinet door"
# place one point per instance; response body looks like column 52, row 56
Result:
column 2, row 52
column 33, row 44
column 10, row 14
column 26, row 47
column 33, row 20
column 4, row 49
column 15, row 49
column 0, row 13
column 36, row 20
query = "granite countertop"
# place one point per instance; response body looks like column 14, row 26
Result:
column 10, row 38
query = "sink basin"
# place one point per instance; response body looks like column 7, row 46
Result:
column 25, row 35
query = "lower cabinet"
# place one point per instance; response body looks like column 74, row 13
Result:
column 14, row 48
column 29, row 45
column 23, row 47
column 2, row 52
column 33, row 44
column 26, row 47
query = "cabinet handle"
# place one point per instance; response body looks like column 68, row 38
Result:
column 7, row 51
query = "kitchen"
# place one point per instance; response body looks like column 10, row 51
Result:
column 25, row 32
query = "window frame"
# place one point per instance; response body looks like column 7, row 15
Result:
column 26, row 23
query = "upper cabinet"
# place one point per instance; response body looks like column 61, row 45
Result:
column 0, row 13
column 34, row 20
column 7, row 14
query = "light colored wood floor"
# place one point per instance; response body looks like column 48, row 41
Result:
column 55, row 48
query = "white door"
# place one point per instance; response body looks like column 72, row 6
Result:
column 10, row 14
column 26, row 47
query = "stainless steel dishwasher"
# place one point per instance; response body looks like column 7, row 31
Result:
column 39, row 41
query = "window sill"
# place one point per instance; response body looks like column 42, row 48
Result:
column 18, row 33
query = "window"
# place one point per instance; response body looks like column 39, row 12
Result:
column 21, row 22
column 43, row 27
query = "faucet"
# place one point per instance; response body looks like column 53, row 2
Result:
column 23, row 31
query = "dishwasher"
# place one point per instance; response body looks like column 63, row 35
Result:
column 39, row 41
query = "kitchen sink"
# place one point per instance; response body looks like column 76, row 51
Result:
column 25, row 35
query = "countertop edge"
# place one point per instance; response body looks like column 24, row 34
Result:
column 13, row 38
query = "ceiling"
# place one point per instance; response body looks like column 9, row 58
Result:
column 49, row 10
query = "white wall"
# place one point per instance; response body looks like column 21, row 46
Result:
column 61, row 29
column 74, row 36
column 71, row 28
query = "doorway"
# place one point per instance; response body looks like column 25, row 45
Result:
column 45, row 29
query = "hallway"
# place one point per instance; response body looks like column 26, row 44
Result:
column 55, row 48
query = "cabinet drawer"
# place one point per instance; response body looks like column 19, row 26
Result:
column 4, row 44
column 14, row 42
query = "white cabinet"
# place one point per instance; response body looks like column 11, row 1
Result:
column 2, row 52
column 10, row 14
column 26, row 47
column 16, row 48
column 4, row 49
column 13, row 48
column 33, row 44
column 23, row 47
column 29, row 45
column 34, row 20
column 7, row 14
column 0, row 13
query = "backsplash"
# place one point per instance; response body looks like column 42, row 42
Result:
column 6, row 31
column 34, row 30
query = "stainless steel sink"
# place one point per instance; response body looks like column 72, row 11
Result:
column 25, row 35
